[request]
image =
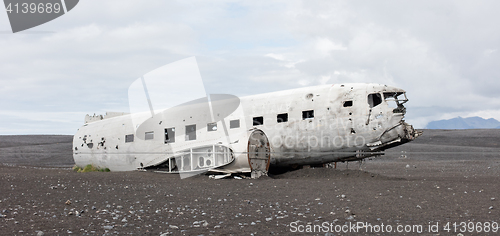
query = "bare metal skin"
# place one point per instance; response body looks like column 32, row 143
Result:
column 306, row 126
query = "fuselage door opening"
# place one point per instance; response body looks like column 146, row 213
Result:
column 259, row 154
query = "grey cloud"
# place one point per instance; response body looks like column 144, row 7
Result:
column 445, row 54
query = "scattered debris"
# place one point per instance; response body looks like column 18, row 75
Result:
column 219, row 176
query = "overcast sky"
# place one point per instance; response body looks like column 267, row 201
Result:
column 443, row 53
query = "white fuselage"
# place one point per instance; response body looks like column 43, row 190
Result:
column 305, row 126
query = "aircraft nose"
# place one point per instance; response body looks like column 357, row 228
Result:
column 410, row 132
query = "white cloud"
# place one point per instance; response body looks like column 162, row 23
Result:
column 326, row 45
column 487, row 114
column 443, row 53
column 488, row 52
column 276, row 56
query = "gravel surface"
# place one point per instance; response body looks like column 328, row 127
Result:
column 427, row 182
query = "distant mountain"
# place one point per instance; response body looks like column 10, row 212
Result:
column 464, row 123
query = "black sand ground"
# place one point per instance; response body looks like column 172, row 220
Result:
column 442, row 177
column 37, row 150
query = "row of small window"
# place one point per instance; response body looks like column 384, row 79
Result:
column 169, row 136
column 190, row 132
column 233, row 124
column 280, row 118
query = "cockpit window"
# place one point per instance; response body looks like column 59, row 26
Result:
column 391, row 98
column 374, row 99
column 396, row 100
column 390, row 95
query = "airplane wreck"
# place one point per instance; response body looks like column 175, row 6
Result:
column 227, row 134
